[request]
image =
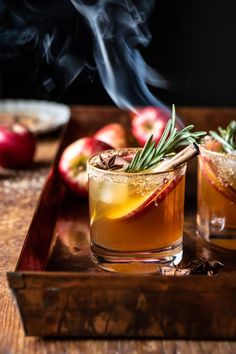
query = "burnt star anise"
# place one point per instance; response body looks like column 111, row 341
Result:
column 204, row 266
column 113, row 163
column 200, row 266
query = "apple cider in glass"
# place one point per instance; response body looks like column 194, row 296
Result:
column 216, row 217
column 136, row 219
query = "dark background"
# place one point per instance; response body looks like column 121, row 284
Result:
column 193, row 47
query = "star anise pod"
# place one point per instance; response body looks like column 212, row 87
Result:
column 200, row 266
column 205, row 266
column 113, row 163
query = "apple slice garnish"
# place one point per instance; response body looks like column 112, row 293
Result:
column 139, row 206
column 218, row 182
column 213, row 145
column 217, row 173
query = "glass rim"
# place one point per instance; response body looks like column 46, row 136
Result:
column 216, row 154
column 129, row 174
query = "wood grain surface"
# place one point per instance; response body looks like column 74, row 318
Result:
column 19, row 193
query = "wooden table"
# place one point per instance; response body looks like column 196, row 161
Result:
column 19, row 192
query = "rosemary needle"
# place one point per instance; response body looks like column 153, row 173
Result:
column 227, row 137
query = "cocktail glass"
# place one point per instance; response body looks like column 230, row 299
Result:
column 136, row 219
column 216, row 216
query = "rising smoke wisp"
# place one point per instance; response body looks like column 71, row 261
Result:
column 71, row 36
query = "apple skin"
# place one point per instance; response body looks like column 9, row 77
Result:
column 213, row 179
column 114, row 134
column 211, row 171
column 153, row 200
column 72, row 164
column 150, row 120
column 213, row 145
column 17, row 146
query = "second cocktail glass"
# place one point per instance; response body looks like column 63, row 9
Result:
column 216, row 217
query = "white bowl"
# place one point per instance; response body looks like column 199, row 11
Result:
column 43, row 116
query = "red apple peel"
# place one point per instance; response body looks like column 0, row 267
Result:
column 17, row 146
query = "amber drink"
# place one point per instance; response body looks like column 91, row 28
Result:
column 216, row 217
column 136, row 219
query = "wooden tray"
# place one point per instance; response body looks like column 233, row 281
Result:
column 60, row 292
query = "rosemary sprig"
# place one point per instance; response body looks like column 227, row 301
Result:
column 171, row 140
column 227, row 137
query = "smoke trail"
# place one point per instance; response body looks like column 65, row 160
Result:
column 118, row 28
column 50, row 33
column 68, row 36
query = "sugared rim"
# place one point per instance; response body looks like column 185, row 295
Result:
column 215, row 153
column 129, row 174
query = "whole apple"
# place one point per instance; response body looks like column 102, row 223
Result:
column 17, row 146
column 150, row 120
column 113, row 134
column 72, row 164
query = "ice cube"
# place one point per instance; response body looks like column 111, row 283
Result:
column 113, row 193
column 217, row 223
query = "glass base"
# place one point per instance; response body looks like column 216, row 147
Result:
column 223, row 240
column 147, row 262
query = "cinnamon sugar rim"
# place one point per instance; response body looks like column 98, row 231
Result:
column 210, row 153
column 124, row 152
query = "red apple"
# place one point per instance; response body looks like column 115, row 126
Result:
column 17, row 146
column 150, row 120
column 113, row 134
column 72, row 165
